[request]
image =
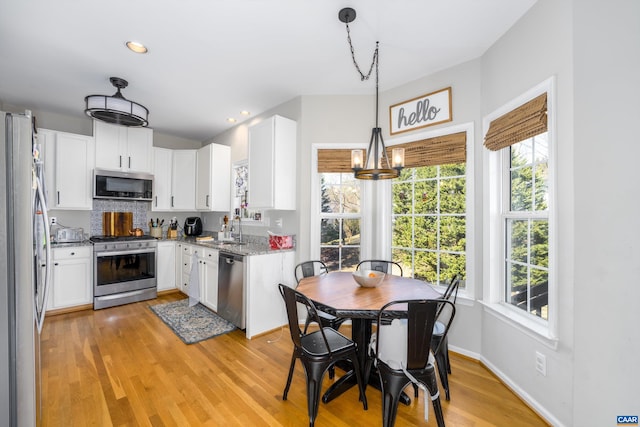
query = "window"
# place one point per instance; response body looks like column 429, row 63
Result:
column 521, row 210
column 526, row 221
column 429, row 222
column 339, row 220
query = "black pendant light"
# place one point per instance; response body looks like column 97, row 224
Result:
column 376, row 165
column 117, row 109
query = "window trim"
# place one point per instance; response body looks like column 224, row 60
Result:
column 469, row 292
column 493, row 223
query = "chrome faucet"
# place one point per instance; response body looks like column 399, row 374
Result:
column 237, row 217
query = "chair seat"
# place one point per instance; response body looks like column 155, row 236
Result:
column 314, row 345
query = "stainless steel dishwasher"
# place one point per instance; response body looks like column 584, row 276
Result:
column 231, row 304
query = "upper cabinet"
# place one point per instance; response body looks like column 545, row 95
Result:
column 162, row 166
column 213, row 182
column 183, row 180
column 123, row 148
column 272, row 164
column 69, row 162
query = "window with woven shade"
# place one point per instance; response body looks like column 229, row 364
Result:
column 520, row 201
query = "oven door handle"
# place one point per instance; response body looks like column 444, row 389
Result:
column 125, row 252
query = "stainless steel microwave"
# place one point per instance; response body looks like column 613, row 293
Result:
column 122, row 185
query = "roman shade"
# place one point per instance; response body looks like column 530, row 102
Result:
column 524, row 122
column 439, row 150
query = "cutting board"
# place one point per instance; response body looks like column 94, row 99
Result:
column 117, row 223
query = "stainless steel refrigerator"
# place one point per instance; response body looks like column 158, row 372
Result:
column 24, row 269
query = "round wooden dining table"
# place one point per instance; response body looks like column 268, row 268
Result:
column 339, row 294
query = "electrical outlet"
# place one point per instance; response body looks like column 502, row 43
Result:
column 53, row 220
column 279, row 222
column 541, row 364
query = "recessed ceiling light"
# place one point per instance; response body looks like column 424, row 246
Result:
column 136, row 47
column 245, row 112
column 231, row 120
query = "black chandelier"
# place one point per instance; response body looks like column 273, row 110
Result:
column 376, row 165
column 117, row 109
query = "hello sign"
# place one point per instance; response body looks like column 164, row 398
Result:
column 427, row 110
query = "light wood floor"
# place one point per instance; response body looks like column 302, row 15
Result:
column 123, row 366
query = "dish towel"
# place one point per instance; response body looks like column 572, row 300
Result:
column 194, row 282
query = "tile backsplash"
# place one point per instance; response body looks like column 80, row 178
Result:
column 139, row 210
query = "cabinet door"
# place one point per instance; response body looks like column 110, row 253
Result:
column 162, row 165
column 272, row 164
column 213, row 182
column 73, row 171
column 111, row 145
column 203, row 178
column 72, row 278
column 209, row 278
column 47, row 141
column 261, row 165
column 139, row 147
column 183, row 188
column 166, row 267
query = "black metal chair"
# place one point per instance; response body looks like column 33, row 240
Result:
column 415, row 366
column 439, row 342
column 317, row 350
column 384, row 266
column 316, row 268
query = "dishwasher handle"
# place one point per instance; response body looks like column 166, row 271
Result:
column 229, row 258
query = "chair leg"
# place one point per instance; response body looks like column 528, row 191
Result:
column 392, row 385
column 445, row 350
column 361, row 383
column 442, row 371
column 315, row 372
column 429, row 380
column 286, row 387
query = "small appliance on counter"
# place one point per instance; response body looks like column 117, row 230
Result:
column 193, row 226
column 61, row 234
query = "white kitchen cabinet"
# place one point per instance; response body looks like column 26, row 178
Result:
column 123, row 148
column 265, row 307
column 162, row 167
column 183, row 269
column 72, row 283
column 166, row 265
column 183, row 180
column 272, row 164
column 69, row 162
column 208, row 270
column 213, row 181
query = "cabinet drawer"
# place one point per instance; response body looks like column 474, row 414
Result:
column 72, row 252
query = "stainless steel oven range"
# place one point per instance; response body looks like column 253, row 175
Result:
column 124, row 270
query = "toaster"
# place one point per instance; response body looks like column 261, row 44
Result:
column 68, row 234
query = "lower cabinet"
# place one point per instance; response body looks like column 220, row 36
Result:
column 208, row 269
column 166, row 265
column 265, row 307
column 72, row 282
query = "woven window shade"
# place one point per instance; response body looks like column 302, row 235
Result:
column 529, row 119
column 332, row 160
column 440, row 150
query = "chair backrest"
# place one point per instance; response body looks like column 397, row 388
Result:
column 420, row 318
column 380, row 265
column 291, row 299
column 310, row 268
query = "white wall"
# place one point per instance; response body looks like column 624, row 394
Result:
column 607, row 238
column 537, row 47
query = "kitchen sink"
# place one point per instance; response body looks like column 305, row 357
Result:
column 230, row 243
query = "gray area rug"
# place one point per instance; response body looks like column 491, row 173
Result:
column 192, row 324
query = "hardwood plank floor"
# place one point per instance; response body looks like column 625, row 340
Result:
column 123, row 366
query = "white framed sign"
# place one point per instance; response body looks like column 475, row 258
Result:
column 426, row 110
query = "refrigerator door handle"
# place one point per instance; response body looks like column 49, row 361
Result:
column 47, row 274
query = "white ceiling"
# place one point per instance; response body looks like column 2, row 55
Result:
column 210, row 59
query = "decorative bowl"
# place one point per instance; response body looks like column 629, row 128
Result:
column 368, row 278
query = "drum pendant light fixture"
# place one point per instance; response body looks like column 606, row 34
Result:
column 376, row 165
column 116, row 109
